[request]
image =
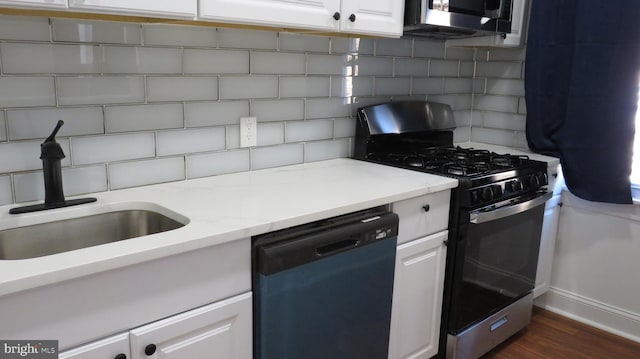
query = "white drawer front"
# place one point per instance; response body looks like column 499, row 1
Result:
column 416, row 221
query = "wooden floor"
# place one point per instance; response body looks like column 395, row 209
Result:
column 551, row 336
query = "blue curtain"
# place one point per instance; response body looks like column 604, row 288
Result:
column 581, row 87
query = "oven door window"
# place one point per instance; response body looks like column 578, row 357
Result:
column 500, row 260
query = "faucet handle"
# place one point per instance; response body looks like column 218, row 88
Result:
column 50, row 149
column 52, row 136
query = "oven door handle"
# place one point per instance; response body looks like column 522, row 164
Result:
column 482, row 217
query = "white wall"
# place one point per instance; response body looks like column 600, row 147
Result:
column 596, row 270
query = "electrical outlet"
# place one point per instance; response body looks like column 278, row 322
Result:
column 248, row 131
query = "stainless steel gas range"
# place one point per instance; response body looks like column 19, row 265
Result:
column 495, row 221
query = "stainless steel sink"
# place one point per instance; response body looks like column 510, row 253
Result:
column 66, row 235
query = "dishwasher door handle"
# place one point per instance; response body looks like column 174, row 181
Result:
column 336, row 247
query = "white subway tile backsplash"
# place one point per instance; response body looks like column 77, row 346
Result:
column 38, row 123
column 298, row 131
column 373, row 66
column 277, row 63
column 246, row 87
column 343, row 45
column 330, row 64
column 277, row 110
column 492, row 136
column 174, row 35
column 462, row 134
column 443, row 68
column 411, row 67
column 270, row 134
column 394, row 47
column 496, row 103
column 458, row 85
column 429, row 48
column 26, row 58
column 3, row 127
column 392, row 85
column 96, row 31
column 90, row 90
column 233, row 137
column 190, row 141
column 522, row 105
column 25, row 155
column 427, row 86
column 302, row 88
column 505, row 87
column 510, row 70
column 212, row 164
column 87, row 179
column 6, row 193
column 247, row 39
column 142, row 117
column 328, row 108
column 140, row 173
column 458, row 53
column 206, row 61
column 24, row 28
column 176, row 88
column 27, row 91
column 501, row 120
column 28, row 186
column 344, row 127
column 303, row 43
column 202, row 114
column 351, row 86
column 141, row 60
column 297, row 86
column 99, row 149
column 326, row 150
column 520, row 140
column 276, row 156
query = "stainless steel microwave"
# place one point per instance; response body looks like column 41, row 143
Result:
column 457, row 18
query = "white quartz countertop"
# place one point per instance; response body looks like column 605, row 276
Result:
column 218, row 209
column 551, row 161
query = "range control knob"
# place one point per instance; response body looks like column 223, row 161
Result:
column 534, row 182
column 544, row 179
column 513, row 186
column 475, row 196
column 486, row 194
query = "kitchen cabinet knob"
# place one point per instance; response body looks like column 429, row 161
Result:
column 352, row 18
column 336, row 15
column 121, row 356
column 426, row 207
column 150, row 349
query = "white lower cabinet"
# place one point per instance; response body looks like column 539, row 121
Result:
column 115, row 347
column 547, row 245
column 219, row 330
column 417, row 297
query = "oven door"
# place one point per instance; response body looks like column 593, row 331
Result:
column 497, row 256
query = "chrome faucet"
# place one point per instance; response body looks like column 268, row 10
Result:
column 51, row 155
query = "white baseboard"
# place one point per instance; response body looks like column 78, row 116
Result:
column 592, row 312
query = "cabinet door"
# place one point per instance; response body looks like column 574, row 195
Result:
column 113, row 347
column 375, row 17
column 310, row 14
column 59, row 4
column 547, row 246
column 219, row 330
column 161, row 8
column 417, row 298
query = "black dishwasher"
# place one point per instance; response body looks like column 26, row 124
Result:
column 323, row 290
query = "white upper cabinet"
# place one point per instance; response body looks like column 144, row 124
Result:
column 309, row 14
column 158, row 8
column 59, row 4
column 517, row 37
column 374, row 17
